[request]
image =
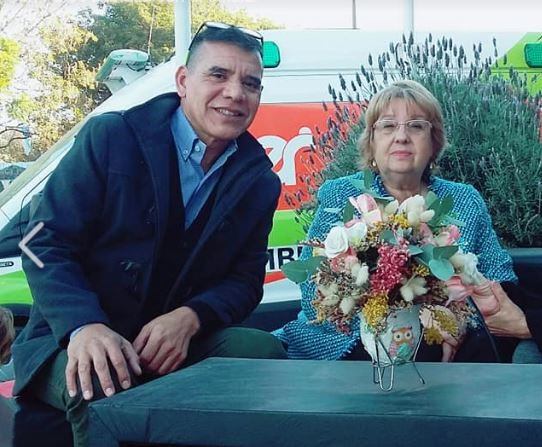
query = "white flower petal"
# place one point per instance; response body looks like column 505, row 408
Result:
column 347, row 304
column 331, row 300
column 336, row 242
column 362, row 275
column 391, row 208
column 427, row 215
column 407, row 293
column 357, row 232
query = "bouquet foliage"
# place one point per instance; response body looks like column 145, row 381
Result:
column 386, row 256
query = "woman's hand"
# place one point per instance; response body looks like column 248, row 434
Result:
column 485, row 299
column 509, row 320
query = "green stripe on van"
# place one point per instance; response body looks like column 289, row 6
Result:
column 14, row 289
column 286, row 231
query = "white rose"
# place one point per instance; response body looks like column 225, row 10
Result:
column 330, row 300
column 357, row 233
column 318, row 251
column 336, row 242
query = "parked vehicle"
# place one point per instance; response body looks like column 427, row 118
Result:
column 291, row 110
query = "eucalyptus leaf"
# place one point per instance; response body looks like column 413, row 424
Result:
column 362, row 186
column 427, row 254
column 300, row 270
column 429, row 199
column 389, row 237
column 414, row 250
column 445, row 252
column 448, row 220
column 348, row 213
column 441, row 268
column 359, row 184
column 446, row 204
column 382, row 199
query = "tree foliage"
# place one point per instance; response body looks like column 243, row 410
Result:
column 213, row 11
column 67, row 90
column 75, row 49
column 22, row 18
column 145, row 26
column 9, row 56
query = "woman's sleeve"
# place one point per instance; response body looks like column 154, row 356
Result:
column 494, row 262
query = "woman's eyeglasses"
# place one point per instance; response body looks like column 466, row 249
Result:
column 219, row 25
column 412, row 127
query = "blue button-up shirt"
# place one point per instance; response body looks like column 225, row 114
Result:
column 196, row 185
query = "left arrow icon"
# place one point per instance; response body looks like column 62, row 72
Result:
column 25, row 240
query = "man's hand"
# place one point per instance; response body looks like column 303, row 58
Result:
column 163, row 343
column 92, row 348
column 510, row 320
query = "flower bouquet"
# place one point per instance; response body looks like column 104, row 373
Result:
column 396, row 266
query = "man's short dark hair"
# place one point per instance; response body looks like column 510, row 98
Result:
column 231, row 35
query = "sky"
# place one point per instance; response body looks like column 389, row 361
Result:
column 385, row 15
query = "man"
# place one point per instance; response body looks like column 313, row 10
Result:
column 155, row 237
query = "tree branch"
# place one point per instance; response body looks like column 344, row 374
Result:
column 11, row 140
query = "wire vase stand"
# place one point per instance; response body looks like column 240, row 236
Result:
column 381, row 366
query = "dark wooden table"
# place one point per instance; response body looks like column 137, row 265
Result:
column 265, row 403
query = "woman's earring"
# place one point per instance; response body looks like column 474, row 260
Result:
column 373, row 164
column 432, row 166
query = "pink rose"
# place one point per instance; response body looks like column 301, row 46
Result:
column 367, row 206
column 364, row 203
column 448, row 236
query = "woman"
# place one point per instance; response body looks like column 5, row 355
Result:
column 403, row 138
column 7, row 334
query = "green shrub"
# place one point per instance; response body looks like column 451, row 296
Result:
column 492, row 128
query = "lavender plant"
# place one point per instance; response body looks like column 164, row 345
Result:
column 493, row 129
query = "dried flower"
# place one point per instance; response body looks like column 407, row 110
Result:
column 376, row 309
column 384, row 259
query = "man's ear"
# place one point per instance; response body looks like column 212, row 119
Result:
column 180, row 80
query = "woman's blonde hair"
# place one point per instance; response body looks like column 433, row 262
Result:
column 7, row 334
column 414, row 94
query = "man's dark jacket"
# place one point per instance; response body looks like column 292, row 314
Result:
column 105, row 210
